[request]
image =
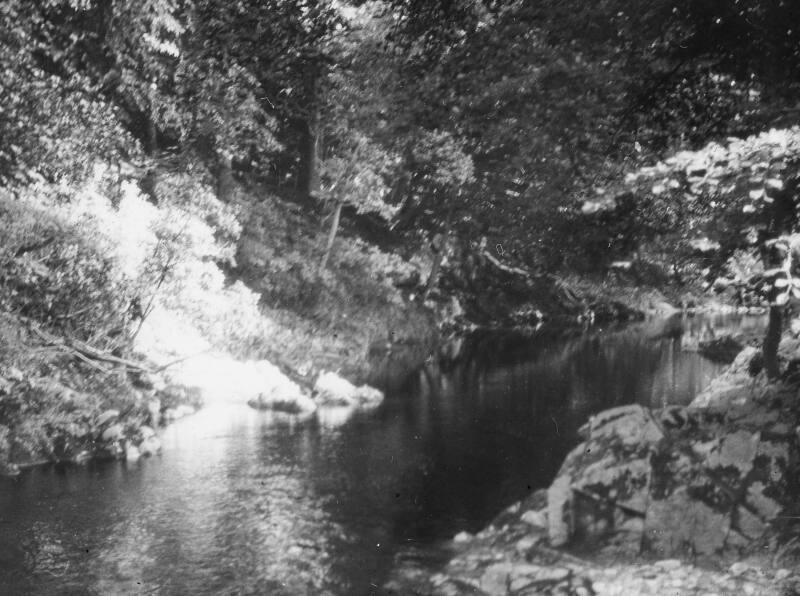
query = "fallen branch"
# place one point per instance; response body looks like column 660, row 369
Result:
column 87, row 353
column 92, row 356
column 177, row 361
column 503, row 267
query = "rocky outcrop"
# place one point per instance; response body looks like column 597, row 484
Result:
column 675, row 481
column 735, row 386
column 713, row 484
column 512, row 556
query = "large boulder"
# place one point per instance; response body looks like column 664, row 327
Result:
column 675, row 481
column 607, row 475
column 333, row 390
column 285, row 396
column 734, row 386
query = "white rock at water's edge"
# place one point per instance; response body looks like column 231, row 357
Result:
column 132, row 453
column 150, row 446
column 331, row 389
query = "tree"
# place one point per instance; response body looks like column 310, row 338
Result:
column 745, row 194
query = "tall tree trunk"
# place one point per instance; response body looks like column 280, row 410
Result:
column 309, row 151
column 772, row 340
column 337, row 213
column 309, row 179
column 224, row 177
column 438, row 246
column 151, row 137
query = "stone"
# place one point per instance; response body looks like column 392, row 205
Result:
column 496, row 578
column 291, row 403
column 331, row 389
column 748, row 524
column 526, row 543
column 368, row 396
column 535, row 518
column 154, row 410
column 767, row 508
column 462, row 537
column 737, row 450
column 132, row 453
column 150, row 446
column 679, row 520
column 631, row 424
column 9, row 469
column 81, row 457
column 559, row 496
column 731, row 387
column 522, row 578
column 549, row 574
column 438, row 579
column 738, row 568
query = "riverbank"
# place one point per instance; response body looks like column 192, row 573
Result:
column 123, row 310
column 234, row 311
column 448, row 452
column 103, row 286
column 695, row 500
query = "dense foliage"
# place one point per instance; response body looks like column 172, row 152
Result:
column 456, row 126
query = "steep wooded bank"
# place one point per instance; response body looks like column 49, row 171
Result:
column 328, row 185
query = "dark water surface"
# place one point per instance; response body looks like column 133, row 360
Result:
column 239, row 504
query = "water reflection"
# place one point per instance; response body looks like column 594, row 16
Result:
column 242, row 502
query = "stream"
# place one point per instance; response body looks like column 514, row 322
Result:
column 242, row 502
